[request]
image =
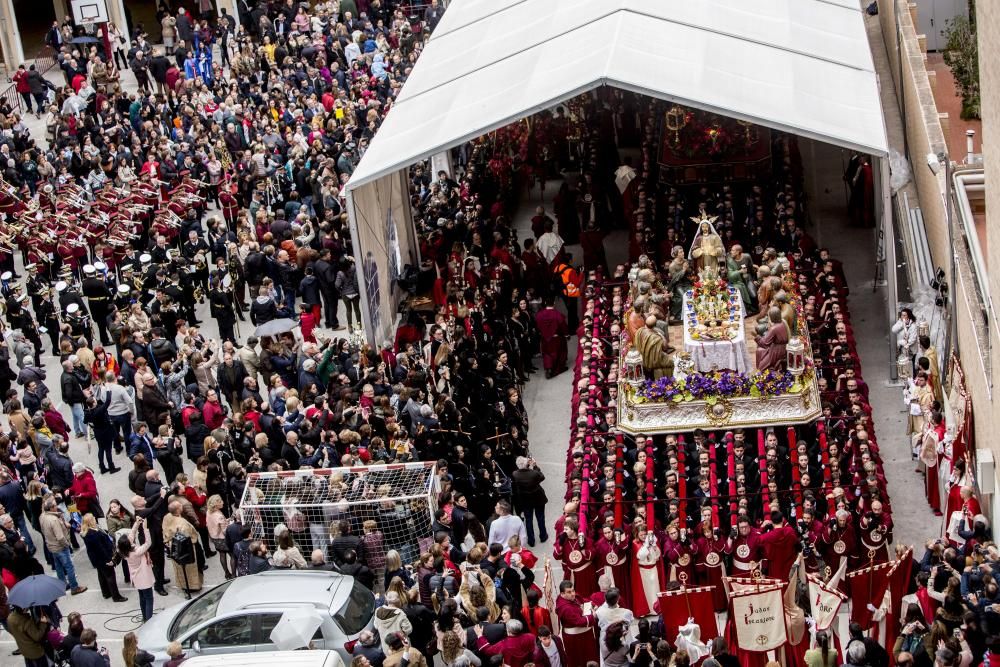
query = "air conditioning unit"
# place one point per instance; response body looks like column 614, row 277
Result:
column 985, row 472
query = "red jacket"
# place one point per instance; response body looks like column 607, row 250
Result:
column 84, row 492
column 213, row 414
column 197, row 500
column 308, row 320
column 516, row 651
column 20, row 79
column 56, row 423
column 186, row 413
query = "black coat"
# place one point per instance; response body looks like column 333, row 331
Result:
column 158, row 66
column 100, row 547
column 528, row 491
column 97, row 417
column 263, row 312
column 60, row 470
column 309, row 290
column 72, row 392
column 221, row 306
column 231, row 378
column 88, row 656
column 37, row 83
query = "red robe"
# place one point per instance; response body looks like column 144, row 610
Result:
column 516, row 651
column 554, row 331
column 578, row 633
column 613, row 559
column 779, row 545
column 710, row 568
column 578, row 566
column 640, row 603
column 748, row 554
column 679, row 560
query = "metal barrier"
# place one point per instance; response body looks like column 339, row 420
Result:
column 44, row 61
column 10, row 96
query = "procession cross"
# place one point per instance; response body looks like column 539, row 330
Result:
column 498, row 435
column 687, row 601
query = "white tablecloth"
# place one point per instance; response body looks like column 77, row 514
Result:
column 722, row 354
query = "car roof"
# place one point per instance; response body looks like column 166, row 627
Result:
column 276, row 588
column 269, row 658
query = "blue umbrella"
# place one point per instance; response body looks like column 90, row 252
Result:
column 36, row 591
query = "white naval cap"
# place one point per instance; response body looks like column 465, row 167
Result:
column 72, row 308
column 123, row 289
column 145, row 258
column 89, row 269
column 100, row 266
column 61, row 286
column 6, row 275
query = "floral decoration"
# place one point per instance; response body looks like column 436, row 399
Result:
column 715, row 385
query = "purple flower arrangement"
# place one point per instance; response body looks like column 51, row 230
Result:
column 716, row 384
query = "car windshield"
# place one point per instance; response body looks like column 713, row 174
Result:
column 357, row 610
column 201, row 609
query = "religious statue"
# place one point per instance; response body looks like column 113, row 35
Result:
column 678, row 281
column 771, row 346
column 707, row 250
column 636, row 317
column 659, row 306
column 736, row 278
column 787, row 311
column 653, row 348
column 769, row 286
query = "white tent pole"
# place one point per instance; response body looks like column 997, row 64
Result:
column 889, row 243
column 366, row 316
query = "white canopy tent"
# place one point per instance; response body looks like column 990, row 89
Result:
column 801, row 66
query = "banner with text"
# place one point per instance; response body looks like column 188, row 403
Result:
column 759, row 617
column 824, row 602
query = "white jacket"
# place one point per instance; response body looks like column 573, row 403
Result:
column 389, row 620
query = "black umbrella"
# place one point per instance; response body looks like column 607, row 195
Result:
column 84, row 39
column 36, row 591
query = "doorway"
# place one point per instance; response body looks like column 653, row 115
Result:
column 33, row 20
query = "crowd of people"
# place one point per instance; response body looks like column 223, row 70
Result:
column 232, row 153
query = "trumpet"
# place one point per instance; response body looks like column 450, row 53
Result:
column 169, row 218
column 188, row 198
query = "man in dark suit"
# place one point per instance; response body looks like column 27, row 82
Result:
column 325, row 272
column 529, row 497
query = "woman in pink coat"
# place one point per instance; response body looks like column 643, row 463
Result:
column 139, row 565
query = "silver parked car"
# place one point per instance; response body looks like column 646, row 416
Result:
column 238, row 615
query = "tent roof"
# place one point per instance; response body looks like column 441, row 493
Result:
column 803, row 66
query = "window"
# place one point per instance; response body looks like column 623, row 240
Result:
column 235, row 631
column 267, row 623
column 357, row 610
column 198, row 611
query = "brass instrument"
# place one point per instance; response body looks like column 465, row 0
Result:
column 168, row 218
column 188, row 198
column 200, row 184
